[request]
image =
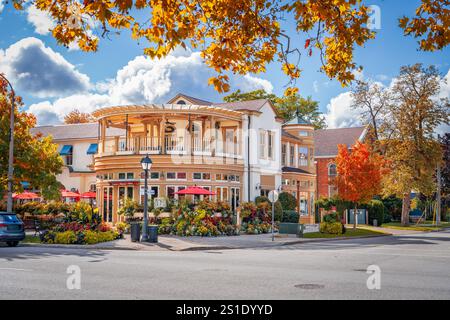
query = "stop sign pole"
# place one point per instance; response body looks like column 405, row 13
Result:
column 273, row 197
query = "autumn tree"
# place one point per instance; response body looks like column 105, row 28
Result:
column 240, row 37
column 287, row 106
column 412, row 149
column 36, row 158
column 431, row 25
column 359, row 174
column 75, row 116
column 371, row 99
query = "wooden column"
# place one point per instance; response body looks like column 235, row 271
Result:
column 162, row 130
column 213, row 136
column 103, row 134
column 239, row 138
column 203, row 134
column 145, row 136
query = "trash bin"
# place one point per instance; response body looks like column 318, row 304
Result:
column 152, row 234
column 375, row 223
column 135, row 232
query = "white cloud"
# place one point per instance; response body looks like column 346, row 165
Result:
column 40, row 71
column 143, row 80
column 2, row 5
column 41, row 20
column 340, row 114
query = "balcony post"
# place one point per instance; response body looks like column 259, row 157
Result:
column 102, row 134
column 213, row 136
column 162, row 133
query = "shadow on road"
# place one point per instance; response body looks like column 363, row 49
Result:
column 26, row 252
column 424, row 239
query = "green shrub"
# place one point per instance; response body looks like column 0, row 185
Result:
column 264, row 201
column 90, row 237
column 106, row 236
column 331, row 218
column 332, row 228
column 67, row 237
column 288, row 201
column 376, row 211
column 290, row 216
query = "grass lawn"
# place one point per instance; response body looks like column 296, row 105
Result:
column 348, row 234
column 31, row 239
column 428, row 226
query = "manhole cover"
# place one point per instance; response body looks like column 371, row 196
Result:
column 309, row 286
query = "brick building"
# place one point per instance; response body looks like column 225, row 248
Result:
column 326, row 143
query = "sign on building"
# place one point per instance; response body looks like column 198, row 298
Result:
column 159, row 203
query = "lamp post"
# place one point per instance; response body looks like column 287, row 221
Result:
column 146, row 164
column 11, row 148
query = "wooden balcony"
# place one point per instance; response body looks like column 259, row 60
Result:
column 171, row 145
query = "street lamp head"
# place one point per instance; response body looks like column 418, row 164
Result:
column 146, row 163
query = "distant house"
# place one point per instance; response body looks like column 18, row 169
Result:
column 326, row 143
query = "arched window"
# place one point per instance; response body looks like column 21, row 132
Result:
column 181, row 102
column 332, row 169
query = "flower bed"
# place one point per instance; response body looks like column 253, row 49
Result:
column 81, row 225
column 210, row 219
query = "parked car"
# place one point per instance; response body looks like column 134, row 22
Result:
column 11, row 229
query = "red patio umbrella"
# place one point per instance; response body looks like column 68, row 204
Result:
column 194, row 190
column 89, row 195
column 25, row 196
column 69, row 194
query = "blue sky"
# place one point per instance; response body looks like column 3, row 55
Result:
column 59, row 79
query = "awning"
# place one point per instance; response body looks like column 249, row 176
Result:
column 194, row 190
column 66, row 150
column 93, row 148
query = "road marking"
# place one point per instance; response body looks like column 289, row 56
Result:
column 15, row 269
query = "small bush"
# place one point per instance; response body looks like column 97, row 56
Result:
column 90, row 237
column 67, row 237
column 331, row 218
column 332, row 228
column 376, row 211
column 290, row 216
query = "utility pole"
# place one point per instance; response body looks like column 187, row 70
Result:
column 438, row 194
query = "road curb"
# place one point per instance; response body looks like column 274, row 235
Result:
column 281, row 244
column 196, row 248
column 74, row 246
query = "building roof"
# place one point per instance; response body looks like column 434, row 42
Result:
column 251, row 105
column 190, row 99
column 289, row 135
column 294, row 170
column 298, row 120
column 75, row 131
column 326, row 141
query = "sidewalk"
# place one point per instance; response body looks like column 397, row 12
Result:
column 176, row 243
column 394, row 232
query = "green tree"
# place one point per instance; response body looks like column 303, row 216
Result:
column 36, row 158
column 238, row 95
column 287, row 106
column 411, row 148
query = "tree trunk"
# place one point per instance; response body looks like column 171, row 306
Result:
column 355, row 212
column 406, row 206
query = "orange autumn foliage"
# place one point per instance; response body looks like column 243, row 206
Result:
column 359, row 173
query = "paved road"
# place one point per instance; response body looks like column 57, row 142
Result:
column 413, row 266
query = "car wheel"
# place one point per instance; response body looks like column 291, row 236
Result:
column 12, row 243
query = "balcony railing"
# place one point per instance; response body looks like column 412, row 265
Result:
column 172, row 145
